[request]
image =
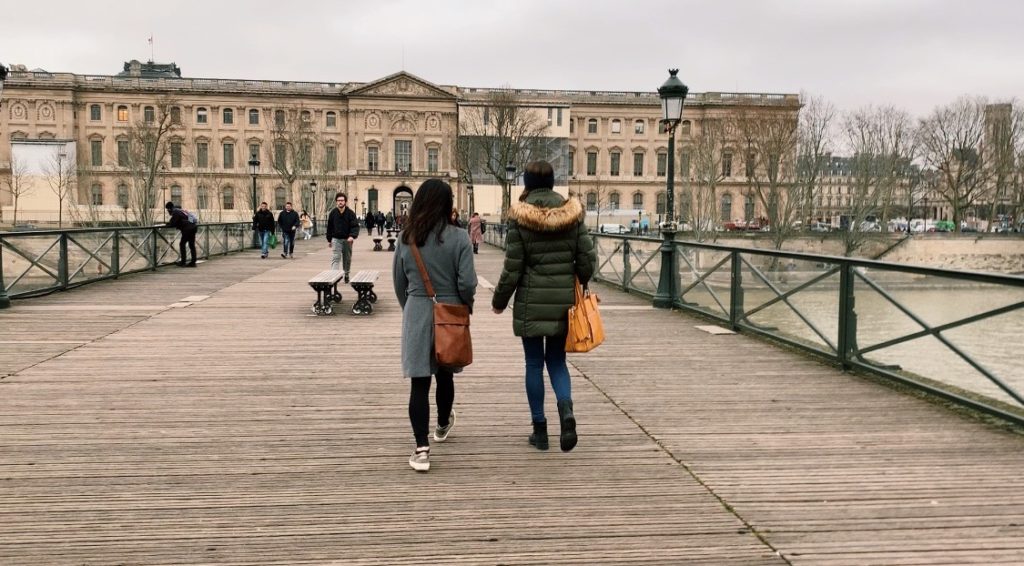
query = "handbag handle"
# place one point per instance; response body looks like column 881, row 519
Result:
column 423, row 271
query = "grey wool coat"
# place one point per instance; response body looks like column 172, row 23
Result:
column 450, row 266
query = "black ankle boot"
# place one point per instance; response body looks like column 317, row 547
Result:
column 568, row 422
column 539, row 438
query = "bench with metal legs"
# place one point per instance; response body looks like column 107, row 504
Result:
column 325, row 284
column 362, row 283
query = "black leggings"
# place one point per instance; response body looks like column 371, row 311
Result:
column 188, row 237
column 419, row 403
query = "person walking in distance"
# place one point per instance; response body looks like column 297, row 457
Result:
column 263, row 223
column 288, row 221
column 342, row 231
column 476, row 232
column 379, row 222
column 307, row 225
column 548, row 247
column 180, row 219
column 368, row 221
column 445, row 252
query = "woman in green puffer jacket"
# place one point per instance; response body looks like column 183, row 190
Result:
column 547, row 247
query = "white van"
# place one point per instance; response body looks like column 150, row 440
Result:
column 612, row 229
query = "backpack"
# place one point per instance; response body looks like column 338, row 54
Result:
column 191, row 216
column 483, row 226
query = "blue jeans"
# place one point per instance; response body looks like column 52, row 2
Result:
column 264, row 241
column 541, row 351
column 288, row 242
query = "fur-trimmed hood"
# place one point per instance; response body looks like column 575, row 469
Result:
column 547, row 219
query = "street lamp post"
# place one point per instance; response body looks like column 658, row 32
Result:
column 672, row 94
column 61, row 156
column 254, row 170
column 469, row 193
column 312, row 190
column 5, row 301
column 510, row 179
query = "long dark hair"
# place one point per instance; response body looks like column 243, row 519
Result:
column 431, row 210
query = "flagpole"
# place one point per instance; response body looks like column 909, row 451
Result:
column 152, row 58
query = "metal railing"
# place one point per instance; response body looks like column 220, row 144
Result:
column 39, row 262
column 954, row 334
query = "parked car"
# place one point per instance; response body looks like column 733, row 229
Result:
column 612, row 229
column 821, row 227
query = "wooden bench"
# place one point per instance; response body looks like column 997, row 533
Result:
column 362, row 283
column 325, row 284
column 376, row 245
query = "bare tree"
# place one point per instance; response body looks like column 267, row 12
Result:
column 147, row 147
column 296, row 145
column 18, row 183
column 1005, row 144
column 771, row 142
column 499, row 132
column 86, row 211
column 814, row 146
column 61, row 174
column 951, row 141
column 700, row 201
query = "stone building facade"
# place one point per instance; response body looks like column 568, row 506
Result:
column 376, row 141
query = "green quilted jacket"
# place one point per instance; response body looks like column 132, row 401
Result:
column 547, row 247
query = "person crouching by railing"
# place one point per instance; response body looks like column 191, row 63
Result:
column 178, row 218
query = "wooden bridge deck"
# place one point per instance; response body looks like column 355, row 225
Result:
column 202, row 416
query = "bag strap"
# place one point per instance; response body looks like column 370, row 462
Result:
column 423, row 271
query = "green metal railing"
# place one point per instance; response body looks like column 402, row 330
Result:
column 40, row 262
column 954, row 334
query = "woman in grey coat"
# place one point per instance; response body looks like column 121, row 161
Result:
column 448, row 258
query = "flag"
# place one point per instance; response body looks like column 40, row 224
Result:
column 150, row 40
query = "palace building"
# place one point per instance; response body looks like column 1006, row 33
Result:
column 376, row 141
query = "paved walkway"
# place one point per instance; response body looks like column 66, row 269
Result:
column 203, row 416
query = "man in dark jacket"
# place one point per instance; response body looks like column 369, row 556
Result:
column 368, row 221
column 379, row 222
column 178, row 218
column 289, row 223
column 342, row 231
column 263, row 223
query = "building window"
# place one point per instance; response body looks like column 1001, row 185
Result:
column 727, row 164
column 202, row 199
column 615, row 158
column 684, row 164
column 638, row 127
column 175, row 115
column 487, row 116
column 95, row 114
column 149, row 114
column 254, row 150
column 592, row 126
column 591, row 163
column 305, row 116
column 228, row 116
column 750, row 164
column 660, row 204
column 403, row 155
column 638, row 201
column 96, row 149
column 175, row 154
column 122, row 113
column 558, row 119
column 572, row 126
column 551, row 117
column 279, row 118
column 591, row 201
column 279, row 198
column 280, row 155
column 122, row 153
column 613, row 201
column 176, row 195
column 96, row 195
column 684, row 128
column 202, row 154
column 305, row 156
column 432, row 159
column 122, row 196
column 726, row 212
column 572, row 163
column 228, row 198
column 201, row 116
column 638, row 164
column 331, row 158
column 748, row 208
column 373, row 158
column 616, row 126
column 254, row 118
column 229, row 155
column 662, row 164
column 332, row 120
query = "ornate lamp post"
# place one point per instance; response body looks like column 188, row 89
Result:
column 469, row 194
column 254, row 170
column 312, row 191
column 510, row 179
column 672, row 94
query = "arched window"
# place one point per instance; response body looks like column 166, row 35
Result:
column 202, row 198
column 95, row 113
column 638, row 127
column 592, row 126
column 228, row 198
column 202, row 117
column 279, row 198
column 176, row 195
column 372, row 197
column 254, row 117
column 726, row 213
column 122, row 113
column 228, row 116
column 279, row 118
column 748, row 208
column 96, row 195
column 638, row 201
column 591, row 201
column 149, row 114
column 684, row 128
column 306, row 116
column 660, row 209
column 332, row 120
column 175, row 115
column 122, row 195
column 616, row 126
column 613, row 201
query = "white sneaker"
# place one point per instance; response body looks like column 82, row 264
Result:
column 420, row 459
column 441, row 434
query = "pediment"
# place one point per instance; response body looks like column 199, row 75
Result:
column 402, row 85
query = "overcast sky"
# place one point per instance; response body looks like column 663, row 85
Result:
column 913, row 54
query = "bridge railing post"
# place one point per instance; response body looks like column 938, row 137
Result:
column 627, row 268
column 115, row 254
column 62, row 261
column 5, row 300
column 735, row 290
column 847, row 316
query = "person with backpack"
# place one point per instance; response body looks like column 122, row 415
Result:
column 187, row 224
column 288, row 221
column 476, row 231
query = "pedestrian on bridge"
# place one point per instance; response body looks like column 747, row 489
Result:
column 263, row 223
column 289, row 222
column 342, row 231
column 548, row 247
column 187, row 226
column 448, row 260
